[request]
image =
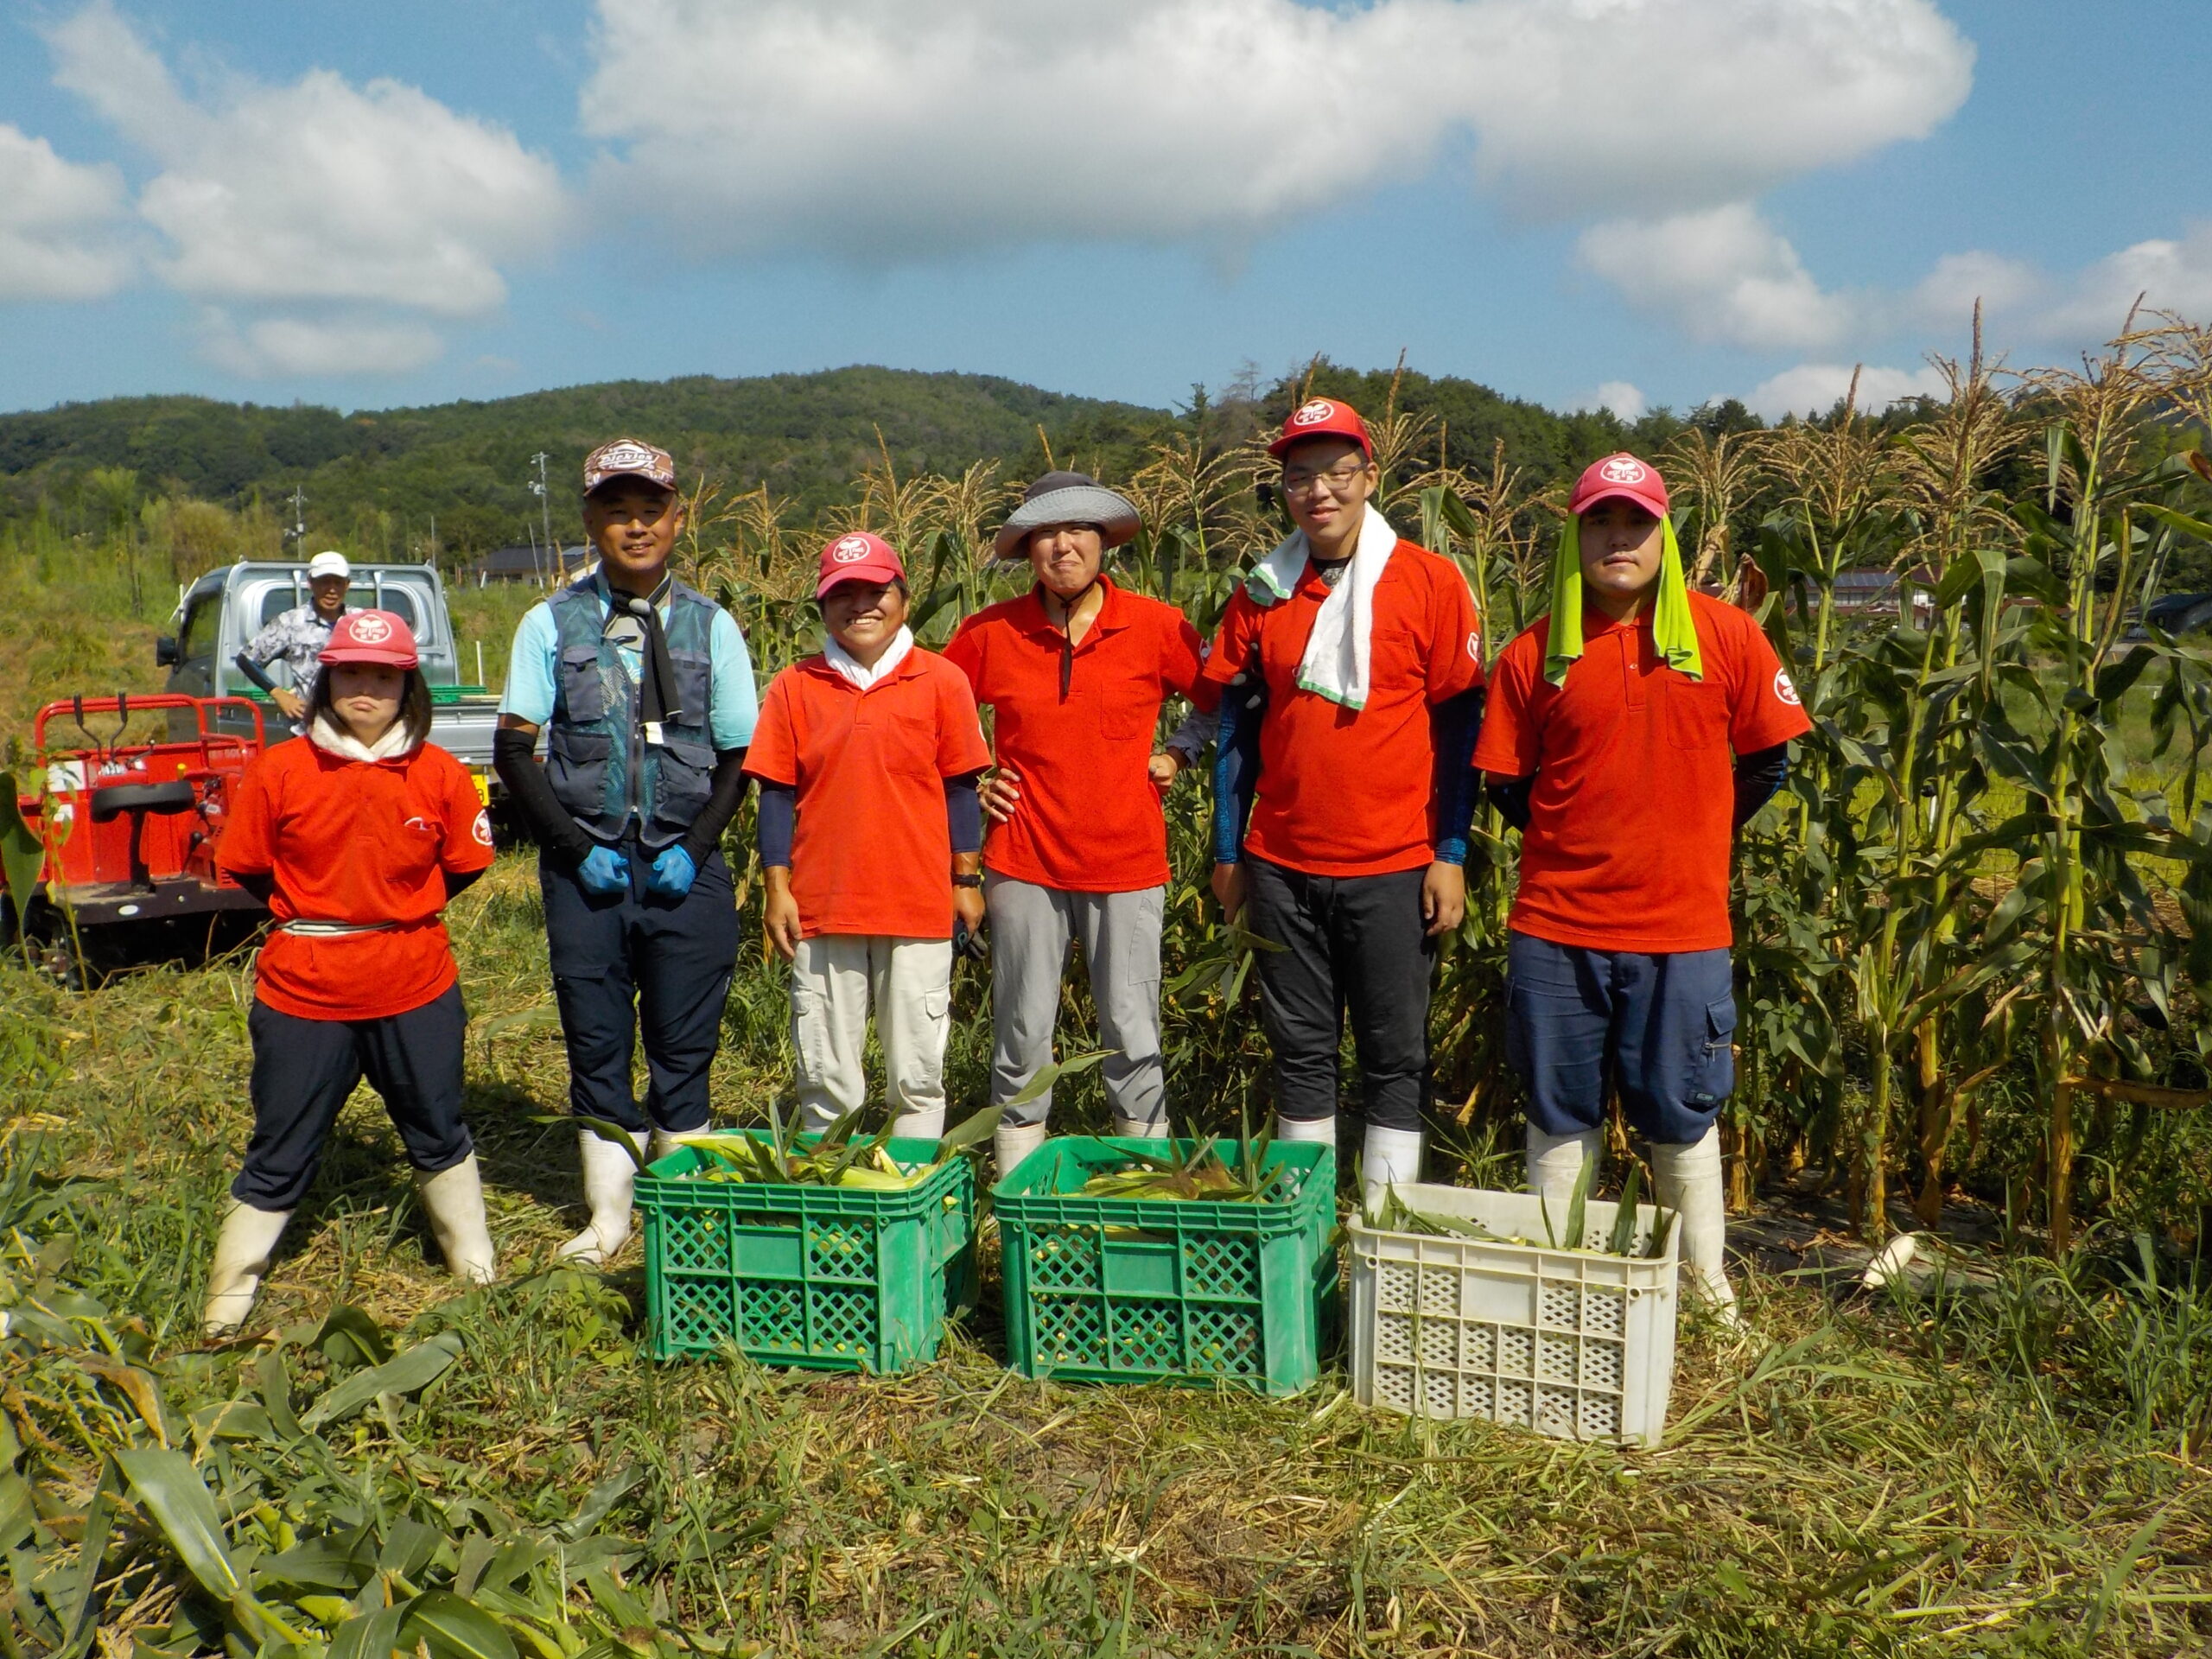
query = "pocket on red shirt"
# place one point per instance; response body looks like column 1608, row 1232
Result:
column 1125, row 722
column 1697, row 715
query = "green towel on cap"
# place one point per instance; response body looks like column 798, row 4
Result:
column 1673, row 630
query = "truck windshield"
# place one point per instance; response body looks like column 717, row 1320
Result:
column 361, row 597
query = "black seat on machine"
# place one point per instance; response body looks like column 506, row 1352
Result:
column 115, row 800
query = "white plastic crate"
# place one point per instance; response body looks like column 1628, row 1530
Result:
column 1571, row 1342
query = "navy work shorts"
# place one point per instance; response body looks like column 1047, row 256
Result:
column 1662, row 1029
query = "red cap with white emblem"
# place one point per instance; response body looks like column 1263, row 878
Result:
column 860, row 557
column 372, row 637
column 1621, row 475
column 1323, row 417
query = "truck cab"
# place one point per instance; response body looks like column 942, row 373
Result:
column 221, row 611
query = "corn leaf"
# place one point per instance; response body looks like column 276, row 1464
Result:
column 373, row 1635
column 1623, row 1239
column 604, row 1129
column 1042, row 1083
column 970, row 1131
column 171, row 1491
column 454, row 1629
column 22, row 855
column 415, row 1368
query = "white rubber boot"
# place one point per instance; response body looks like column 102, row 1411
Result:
column 242, row 1251
column 1556, row 1164
column 664, row 1141
column 1012, row 1142
column 1323, row 1129
column 1389, row 1158
column 454, row 1201
column 609, row 1175
column 1686, row 1179
column 1132, row 1128
column 919, row 1126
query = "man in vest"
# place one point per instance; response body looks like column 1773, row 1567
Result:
column 644, row 689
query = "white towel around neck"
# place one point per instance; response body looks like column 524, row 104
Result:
column 328, row 734
column 1335, row 666
column 849, row 665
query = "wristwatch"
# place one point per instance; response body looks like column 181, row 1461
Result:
column 967, row 880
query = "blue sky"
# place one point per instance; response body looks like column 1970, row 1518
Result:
column 1637, row 201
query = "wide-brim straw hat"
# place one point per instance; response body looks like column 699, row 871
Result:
column 1067, row 498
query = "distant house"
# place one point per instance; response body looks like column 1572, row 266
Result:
column 1874, row 593
column 547, row 567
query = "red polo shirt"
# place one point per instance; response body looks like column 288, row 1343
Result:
column 355, row 841
column 1344, row 792
column 1089, row 819
column 871, row 851
column 1629, row 824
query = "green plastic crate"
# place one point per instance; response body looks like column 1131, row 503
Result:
column 1128, row 1290
column 826, row 1278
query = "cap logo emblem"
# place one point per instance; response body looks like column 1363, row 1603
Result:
column 621, row 457
column 1314, row 413
column 1785, row 690
column 1624, row 469
column 371, row 630
column 851, row 550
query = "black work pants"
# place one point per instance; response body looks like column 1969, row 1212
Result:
column 630, row 959
column 303, row 1069
column 1355, row 945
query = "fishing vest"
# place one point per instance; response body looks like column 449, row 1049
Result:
column 613, row 781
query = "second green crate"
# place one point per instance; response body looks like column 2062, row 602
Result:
column 1138, row 1290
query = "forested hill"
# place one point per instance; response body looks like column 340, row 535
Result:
column 806, row 436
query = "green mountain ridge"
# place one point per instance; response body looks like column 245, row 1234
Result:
column 381, row 477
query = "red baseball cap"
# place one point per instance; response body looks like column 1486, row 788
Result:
column 372, row 637
column 1323, row 417
column 861, row 557
column 1622, row 475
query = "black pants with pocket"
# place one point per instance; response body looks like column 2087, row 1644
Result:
column 1355, row 945
column 636, row 959
column 303, row 1069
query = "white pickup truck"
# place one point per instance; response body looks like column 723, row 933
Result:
column 219, row 613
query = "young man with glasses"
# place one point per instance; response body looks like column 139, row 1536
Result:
column 1357, row 656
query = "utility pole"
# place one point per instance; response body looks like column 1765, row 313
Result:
column 299, row 530
column 545, row 509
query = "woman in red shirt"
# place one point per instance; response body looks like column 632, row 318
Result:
column 355, row 839
column 1076, row 670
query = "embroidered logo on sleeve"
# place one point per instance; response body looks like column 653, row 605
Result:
column 1785, row 690
column 1475, row 645
column 483, row 830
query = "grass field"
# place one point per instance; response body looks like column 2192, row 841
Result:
column 2011, row 1465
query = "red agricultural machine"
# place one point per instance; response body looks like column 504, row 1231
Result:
column 116, row 834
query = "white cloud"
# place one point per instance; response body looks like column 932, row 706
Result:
column 1814, row 388
column 886, row 129
column 1623, row 399
column 1945, row 298
column 297, row 346
column 318, row 192
column 58, row 222
column 1721, row 275
column 2167, row 274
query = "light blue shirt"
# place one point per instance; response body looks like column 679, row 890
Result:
column 733, row 707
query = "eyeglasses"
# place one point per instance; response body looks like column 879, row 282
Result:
column 1337, row 477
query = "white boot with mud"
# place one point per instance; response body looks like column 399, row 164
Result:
column 1688, row 1180
column 1012, row 1142
column 609, row 1175
column 242, row 1251
column 1555, row 1163
column 1389, row 1158
column 454, row 1201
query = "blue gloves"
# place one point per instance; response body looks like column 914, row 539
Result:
column 604, row 872
column 672, row 873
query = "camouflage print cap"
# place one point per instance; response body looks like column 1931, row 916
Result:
column 627, row 458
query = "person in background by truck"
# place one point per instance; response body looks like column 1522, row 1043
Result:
column 645, row 691
column 298, row 636
column 1630, row 734
column 355, row 839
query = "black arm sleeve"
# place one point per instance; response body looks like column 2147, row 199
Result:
column 1236, row 767
column 1454, row 723
column 1758, row 774
column 779, row 813
column 1510, row 798
column 261, row 885
column 729, row 794
column 548, row 821
column 964, row 813
column 254, row 671
column 458, row 884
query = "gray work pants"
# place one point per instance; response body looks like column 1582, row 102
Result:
column 1030, row 930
